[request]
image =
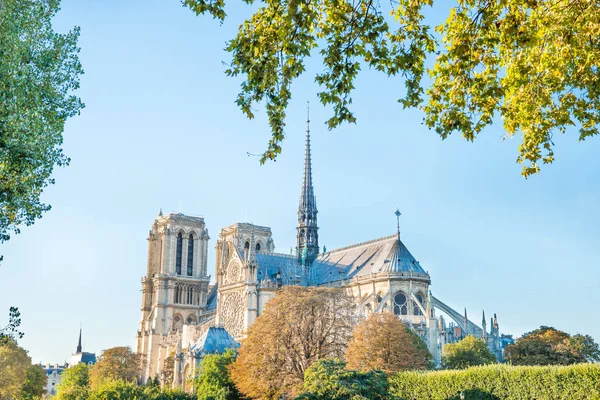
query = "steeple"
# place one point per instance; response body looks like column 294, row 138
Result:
column 79, row 343
column 307, row 235
column 483, row 326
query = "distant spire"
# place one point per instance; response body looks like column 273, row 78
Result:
column 483, row 322
column 307, row 235
column 495, row 321
column 79, row 343
column 398, row 214
column 160, row 214
column 466, row 321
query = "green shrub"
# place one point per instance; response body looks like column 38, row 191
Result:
column 581, row 381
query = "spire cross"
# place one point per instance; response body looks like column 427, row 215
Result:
column 398, row 214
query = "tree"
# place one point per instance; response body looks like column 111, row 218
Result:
column 168, row 370
column 468, row 352
column 117, row 363
column 35, row 383
column 382, row 342
column 11, row 331
column 39, row 69
column 14, row 364
column 116, row 389
column 74, row 383
column 534, row 63
column 550, row 346
column 329, row 379
column 299, row 326
column 214, row 381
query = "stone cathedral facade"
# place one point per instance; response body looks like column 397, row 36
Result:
column 184, row 316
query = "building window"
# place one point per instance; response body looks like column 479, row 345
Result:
column 400, row 307
column 257, row 246
column 190, row 263
column 416, row 309
column 178, row 254
column 247, row 246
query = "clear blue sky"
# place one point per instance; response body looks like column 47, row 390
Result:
column 160, row 129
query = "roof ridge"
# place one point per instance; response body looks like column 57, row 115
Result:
column 276, row 254
column 394, row 236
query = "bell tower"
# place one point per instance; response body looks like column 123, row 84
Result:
column 307, row 243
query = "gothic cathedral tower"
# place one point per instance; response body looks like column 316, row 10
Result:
column 307, row 244
column 175, row 287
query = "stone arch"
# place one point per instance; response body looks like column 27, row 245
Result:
column 416, row 310
column 177, row 322
column 191, row 319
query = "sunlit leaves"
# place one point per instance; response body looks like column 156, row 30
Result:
column 531, row 64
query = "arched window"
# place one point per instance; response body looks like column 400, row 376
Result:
column 190, row 263
column 368, row 309
column 189, row 295
column 416, row 309
column 379, row 298
column 247, row 246
column 257, row 247
column 191, row 319
column 400, row 307
column 178, row 254
column 177, row 322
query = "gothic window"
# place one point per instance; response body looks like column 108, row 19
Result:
column 189, row 295
column 177, row 322
column 379, row 298
column 177, row 297
column 190, row 263
column 257, row 247
column 178, row 254
column 191, row 319
column 400, row 307
column 247, row 246
column 416, row 309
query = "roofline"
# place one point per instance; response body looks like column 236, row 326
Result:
column 394, row 236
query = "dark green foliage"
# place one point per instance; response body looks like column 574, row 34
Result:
column 11, row 332
column 35, row 383
column 122, row 390
column 214, row 381
column 329, row 379
column 469, row 352
column 39, row 69
column 550, row 346
column 504, row 382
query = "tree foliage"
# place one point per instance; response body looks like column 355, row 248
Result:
column 74, row 383
column 534, row 63
column 11, row 331
column 14, row 365
column 382, row 342
column 214, row 380
column 39, row 69
column 550, row 346
column 330, row 380
column 469, row 352
column 35, row 383
column 298, row 327
column 116, row 363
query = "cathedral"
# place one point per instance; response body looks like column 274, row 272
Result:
column 184, row 316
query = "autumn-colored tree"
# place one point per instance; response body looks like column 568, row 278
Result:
column 532, row 63
column 35, row 383
column 168, row 370
column 469, row 352
column 14, row 364
column 549, row 346
column 330, row 380
column 117, row 363
column 299, row 326
column 382, row 342
column 74, row 383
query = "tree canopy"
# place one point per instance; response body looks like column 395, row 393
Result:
column 299, row 326
column 14, row 365
column 550, row 346
column 330, row 380
column 11, row 332
column 35, row 383
column 382, row 342
column 74, row 383
column 214, row 380
column 116, row 363
column 468, row 352
column 532, row 63
column 39, row 69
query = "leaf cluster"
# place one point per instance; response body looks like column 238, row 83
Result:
column 39, row 70
column 11, row 331
column 214, row 380
column 468, row 352
column 532, row 63
column 550, row 346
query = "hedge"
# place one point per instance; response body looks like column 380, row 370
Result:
column 580, row 381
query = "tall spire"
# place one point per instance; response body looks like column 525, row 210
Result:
column 398, row 214
column 79, row 343
column 307, row 235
